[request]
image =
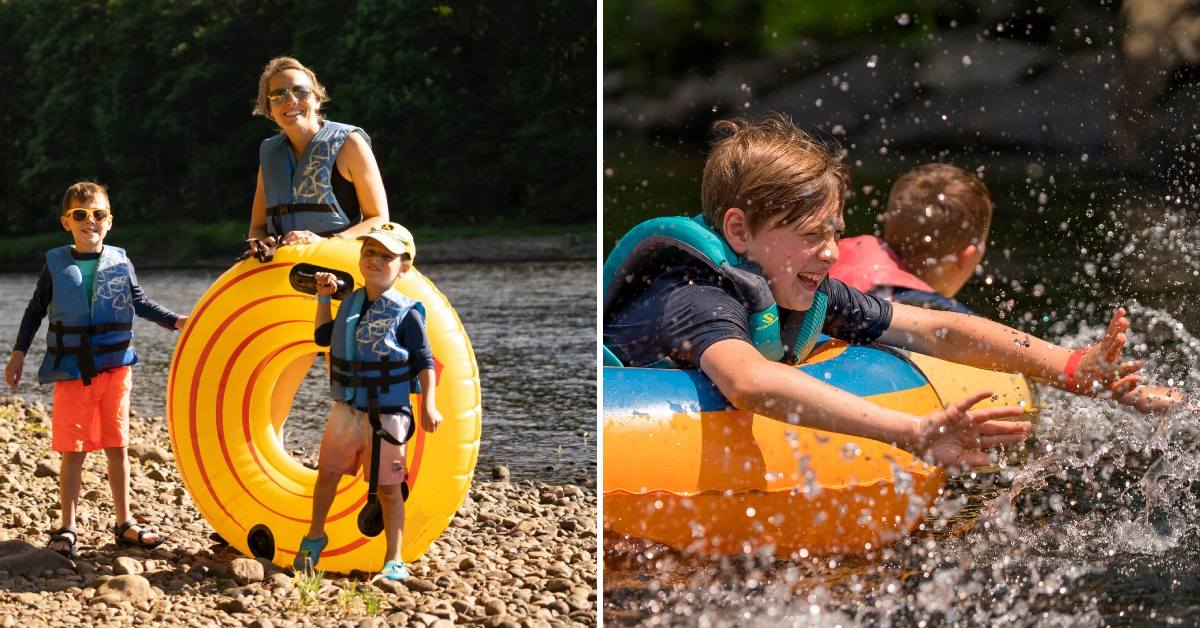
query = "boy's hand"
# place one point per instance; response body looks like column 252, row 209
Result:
column 1146, row 399
column 180, row 321
column 1098, row 369
column 12, row 371
column 957, row 435
column 326, row 284
column 430, row 419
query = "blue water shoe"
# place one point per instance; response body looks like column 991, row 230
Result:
column 309, row 552
column 394, row 570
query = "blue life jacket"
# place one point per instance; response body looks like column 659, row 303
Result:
column 369, row 369
column 299, row 196
column 637, row 249
column 83, row 341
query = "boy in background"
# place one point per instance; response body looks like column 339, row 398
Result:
column 935, row 230
column 91, row 294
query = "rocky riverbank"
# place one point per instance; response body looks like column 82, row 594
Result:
column 516, row 554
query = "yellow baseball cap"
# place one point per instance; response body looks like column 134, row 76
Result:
column 395, row 238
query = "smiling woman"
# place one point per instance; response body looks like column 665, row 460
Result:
column 317, row 177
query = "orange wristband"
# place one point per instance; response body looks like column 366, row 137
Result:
column 1072, row 366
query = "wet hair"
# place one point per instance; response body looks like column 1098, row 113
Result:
column 770, row 169
column 84, row 193
column 935, row 211
column 262, row 106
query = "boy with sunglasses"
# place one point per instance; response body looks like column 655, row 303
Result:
column 91, row 294
column 377, row 346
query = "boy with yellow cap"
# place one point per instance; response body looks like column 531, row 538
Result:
column 377, row 346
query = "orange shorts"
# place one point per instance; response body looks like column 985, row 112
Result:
column 346, row 445
column 87, row 418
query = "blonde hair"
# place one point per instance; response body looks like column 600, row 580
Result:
column 84, row 193
column 935, row 211
column 769, row 167
column 262, row 106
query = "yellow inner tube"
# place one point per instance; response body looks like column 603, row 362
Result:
column 242, row 356
column 683, row 468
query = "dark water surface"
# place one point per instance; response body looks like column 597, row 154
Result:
column 532, row 326
column 1100, row 526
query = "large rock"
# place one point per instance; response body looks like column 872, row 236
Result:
column 19, row 558
column 149, row 453
column 125, row 565
column 246, row 570
column 129, row 588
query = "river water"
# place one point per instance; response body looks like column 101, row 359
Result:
column 1100, row 526
column 538, row 382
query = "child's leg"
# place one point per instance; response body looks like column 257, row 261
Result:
column 118, row 481
column 392, row 501
column 393, row 471
column 339, row 456
column 70, row 472
column 323, row 493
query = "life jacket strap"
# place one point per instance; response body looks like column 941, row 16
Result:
column 60, row 329
column 354, row 381
column 275, row 215
column 356, row 366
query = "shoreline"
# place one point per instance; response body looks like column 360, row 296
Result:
column 477, row 249
column 515, row 554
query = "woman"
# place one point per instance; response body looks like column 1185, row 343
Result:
column 317, row 178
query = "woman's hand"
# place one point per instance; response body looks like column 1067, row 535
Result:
column 326, row 284
column 1100, row 366
column 299, row 237
column 12, row 371
column 958, row 436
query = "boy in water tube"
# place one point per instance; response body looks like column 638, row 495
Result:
column 935, row 228
column 774, row 195
column 377, row 345
column 91, row 294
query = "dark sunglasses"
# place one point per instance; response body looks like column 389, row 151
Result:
column 279, row 95
column 80, row 215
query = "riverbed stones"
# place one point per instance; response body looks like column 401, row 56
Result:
column 193, row 581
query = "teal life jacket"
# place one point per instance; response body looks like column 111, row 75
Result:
column 84, row 340
column 369, row 369
column 625, row 267
column 299, row 196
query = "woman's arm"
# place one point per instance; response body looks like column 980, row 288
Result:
column 258, row 211
column 357, row 162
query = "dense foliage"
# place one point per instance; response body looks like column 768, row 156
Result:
column 478, row 111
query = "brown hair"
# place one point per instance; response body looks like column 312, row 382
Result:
column 262, row 106
column 768, row 167
column 84, row 192
column 935, row 211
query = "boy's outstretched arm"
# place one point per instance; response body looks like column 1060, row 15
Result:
column 982, row 343
column 951, row 436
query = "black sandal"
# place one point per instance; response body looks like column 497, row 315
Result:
column 143, row 530
column 64, row 534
